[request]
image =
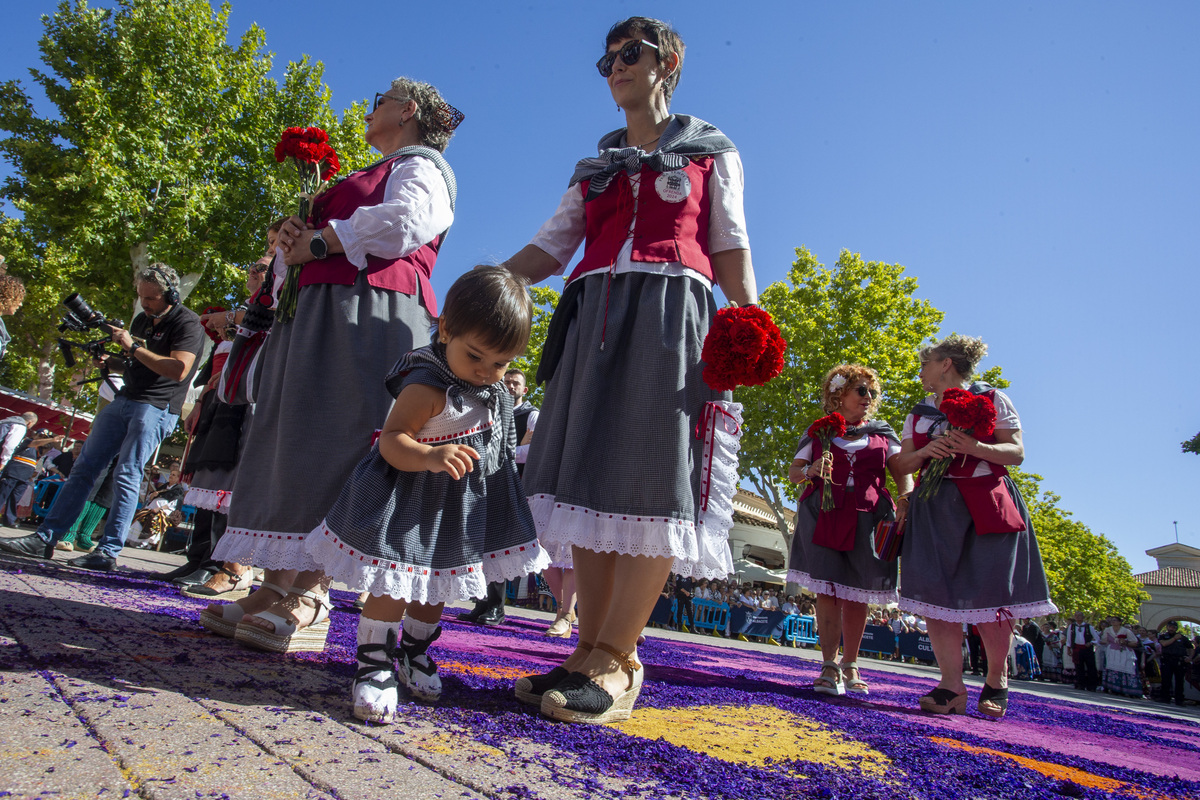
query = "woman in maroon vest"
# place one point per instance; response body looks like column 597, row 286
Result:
column 969, row 554
column 368, row 249
column 616, row 472
column 832, row 551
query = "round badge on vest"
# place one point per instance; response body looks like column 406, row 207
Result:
column 673, row 186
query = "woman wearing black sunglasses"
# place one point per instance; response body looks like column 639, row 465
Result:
column 368, row 248
column 615, row 473
column 832, row 551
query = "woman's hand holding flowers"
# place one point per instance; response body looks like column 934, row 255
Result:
column 962, row 443
column 938, row 447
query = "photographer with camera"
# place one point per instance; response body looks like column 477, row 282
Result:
column 158, row 358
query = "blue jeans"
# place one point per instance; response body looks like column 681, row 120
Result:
column 124, row 426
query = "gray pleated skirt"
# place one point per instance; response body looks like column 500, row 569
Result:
column 615, row 465
column 949, row 572
column 854, row 574
column 320, row 400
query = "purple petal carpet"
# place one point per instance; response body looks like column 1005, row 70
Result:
column 712, row 721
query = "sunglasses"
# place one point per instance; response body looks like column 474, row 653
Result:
column 380, row 97
column 863, row 391
column 630, row 54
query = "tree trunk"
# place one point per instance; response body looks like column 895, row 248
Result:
column 45, row 369
column 775, row 499
column 139, row 256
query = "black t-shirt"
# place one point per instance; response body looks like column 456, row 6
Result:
column 179, row 330
column 63, row 463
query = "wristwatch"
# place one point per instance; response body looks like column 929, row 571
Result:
column 133, row 348
column 318, row 246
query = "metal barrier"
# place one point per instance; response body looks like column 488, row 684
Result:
column 710, row 615
column 799, row 629
column 41, row 507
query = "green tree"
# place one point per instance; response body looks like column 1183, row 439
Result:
column 1192, row 445
column 1084, row 569
column 545, row 300
column 858, row 311
column 159, row 148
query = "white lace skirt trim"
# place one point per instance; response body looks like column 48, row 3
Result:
column 265, row 549
column 719, row 480
column 217, row 500
column 975, row 616
column 416, row 583
column 699, row 550
column 851, row 593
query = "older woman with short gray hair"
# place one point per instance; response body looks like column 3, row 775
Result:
column 368, row 250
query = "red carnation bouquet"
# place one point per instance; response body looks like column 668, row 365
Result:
column 316, row 162
column 825, row 430
column 973, row 413
column 743, row 348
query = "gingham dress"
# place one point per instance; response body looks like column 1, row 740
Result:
column 426, row 537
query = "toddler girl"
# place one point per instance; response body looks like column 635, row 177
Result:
column 435, row 511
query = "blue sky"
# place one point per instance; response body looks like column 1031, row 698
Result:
column 1033, row 164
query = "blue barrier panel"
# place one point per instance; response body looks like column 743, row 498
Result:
column 664, row 611
column 764, row 624
column 40, row 505
column 738, row 616
column 878, row 639
column 916, row 645
column 799, row 629
column 710, row 615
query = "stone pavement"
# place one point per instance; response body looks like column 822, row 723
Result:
column 108, row 688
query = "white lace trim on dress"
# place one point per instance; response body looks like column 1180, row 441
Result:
column 977, row 615
column 264, row 549
column 415, row 583
column 722, row 426
column 217, row 500
column 851, row 593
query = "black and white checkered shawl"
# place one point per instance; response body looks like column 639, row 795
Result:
column 684, row 138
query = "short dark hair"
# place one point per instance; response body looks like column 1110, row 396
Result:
column 492, row 303
column 659, row 33
column 515, row 371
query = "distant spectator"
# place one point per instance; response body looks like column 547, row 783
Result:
column 1177, row 654
column 1082, row 638
column 15, row 478
column 13, row 431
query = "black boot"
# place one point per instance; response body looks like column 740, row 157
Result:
column 489, row 610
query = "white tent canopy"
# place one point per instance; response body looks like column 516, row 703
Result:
column 755, row 573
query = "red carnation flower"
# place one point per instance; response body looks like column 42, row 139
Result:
column 743, row 348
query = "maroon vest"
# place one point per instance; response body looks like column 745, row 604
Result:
column 836, row 529
column 665, row 232
column 987, row 498
column 409, row 274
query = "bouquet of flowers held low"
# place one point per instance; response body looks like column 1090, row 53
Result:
column 316, row 162
column 825, row 430
column 743, row 348
column 972, row 413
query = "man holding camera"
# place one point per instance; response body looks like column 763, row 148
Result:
column 144, row 412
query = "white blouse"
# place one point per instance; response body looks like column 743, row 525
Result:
column 562, row 234
column 415, row 209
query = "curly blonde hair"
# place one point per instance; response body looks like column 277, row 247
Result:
column 430, row 112
column 12, row 291
column 831, row 399
column 964, row 352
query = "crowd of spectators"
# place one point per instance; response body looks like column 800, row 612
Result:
column 1111, row 656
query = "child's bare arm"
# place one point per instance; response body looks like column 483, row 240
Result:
column 398, row 444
